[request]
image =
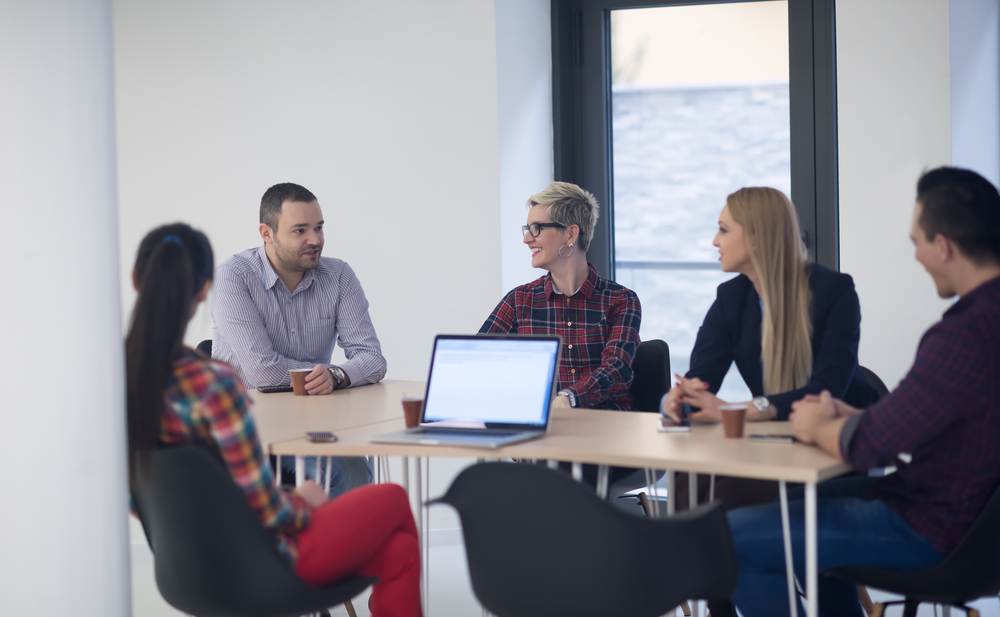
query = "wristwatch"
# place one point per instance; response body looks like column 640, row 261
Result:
column 568, row 394
column 763, row 407
column 338, row 376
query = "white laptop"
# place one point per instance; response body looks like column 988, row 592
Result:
column 485, row 391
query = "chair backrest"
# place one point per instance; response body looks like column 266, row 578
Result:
column 650, row 375
column 874, row 380
column 540, row 544
column 212, row 555
column 970, row 571
column 205, row 347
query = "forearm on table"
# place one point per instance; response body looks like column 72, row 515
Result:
column 827, row 436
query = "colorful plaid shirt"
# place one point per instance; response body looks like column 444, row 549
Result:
column 599, row 326
column 206, row 404
column 946, row 415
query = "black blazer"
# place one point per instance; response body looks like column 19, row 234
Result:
column 731, row 331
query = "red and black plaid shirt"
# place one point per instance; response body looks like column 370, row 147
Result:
column 599, row 326
column 206, row 403
column 946, row 414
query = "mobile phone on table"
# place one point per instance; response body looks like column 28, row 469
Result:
column 273, row 389
column 772, row 438
column 668, row 425
column 321, row 436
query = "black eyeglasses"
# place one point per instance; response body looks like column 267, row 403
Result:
column 536, row 228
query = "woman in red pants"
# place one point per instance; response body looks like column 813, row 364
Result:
column 177, row 395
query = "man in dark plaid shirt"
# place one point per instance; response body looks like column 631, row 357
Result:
column 939, row 427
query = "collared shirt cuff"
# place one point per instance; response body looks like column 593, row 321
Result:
column 847, row 434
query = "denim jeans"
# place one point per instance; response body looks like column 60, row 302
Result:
column 348, row 471
column 850, row 531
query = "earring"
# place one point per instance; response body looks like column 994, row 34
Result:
column 570, row 245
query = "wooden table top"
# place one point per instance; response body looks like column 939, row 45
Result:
column 628, row 439
column 283, row 416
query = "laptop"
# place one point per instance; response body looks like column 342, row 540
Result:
column 485, row 391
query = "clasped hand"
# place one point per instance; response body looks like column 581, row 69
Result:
column 693, row 392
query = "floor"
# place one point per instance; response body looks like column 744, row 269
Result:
column 450, row 596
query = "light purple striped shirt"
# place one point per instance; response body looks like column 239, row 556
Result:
column 264, row 330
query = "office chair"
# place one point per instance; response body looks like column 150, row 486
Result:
column 650, row 381
column 874, row 380
column 969, row 572
column 205, row 347
column 650, row 375
column 539, row 544
column 213, row 558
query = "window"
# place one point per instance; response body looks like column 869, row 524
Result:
column 662, row 109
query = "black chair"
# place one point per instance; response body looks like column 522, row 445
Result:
column 205, row 347
column 971, row 571
column 539, row 544
column 213, row 558
column 650, row 381
column 650, row 375
column 874, row 380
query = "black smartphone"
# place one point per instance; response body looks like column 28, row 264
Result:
column 772, row 438
column 273, row 389
column 321, row 436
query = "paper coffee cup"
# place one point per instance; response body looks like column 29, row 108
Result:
column 734, row 416
column 411, row 411
column 299, row 380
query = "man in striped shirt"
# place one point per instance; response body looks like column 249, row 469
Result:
column 283, row 306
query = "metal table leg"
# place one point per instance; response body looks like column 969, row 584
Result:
column 671, row 487
column 812, row 569
column 786, row 533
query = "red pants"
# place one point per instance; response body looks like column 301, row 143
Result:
column 368, row 531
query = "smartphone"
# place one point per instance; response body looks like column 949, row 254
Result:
column 668, row 425
column 772, row 438
column 273, row 389
column 321, row 436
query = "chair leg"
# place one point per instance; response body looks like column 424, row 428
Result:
column 646, row 506
column 910, row 608
column 866, row 600
column 878, row 610
column 350, row 609
column 686, row 608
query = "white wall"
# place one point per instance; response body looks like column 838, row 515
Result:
column 63, row 518
column 975, row 86
column 386, row 110
column 894, row 123
column 524, row 90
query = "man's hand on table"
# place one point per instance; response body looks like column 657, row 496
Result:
column 312, row 493
column 319, row 380
column 819, row 420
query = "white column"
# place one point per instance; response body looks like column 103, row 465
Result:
column 63, row 525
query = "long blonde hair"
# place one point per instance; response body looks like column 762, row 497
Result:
column 774, row 242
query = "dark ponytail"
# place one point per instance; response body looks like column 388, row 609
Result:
column 172, row 266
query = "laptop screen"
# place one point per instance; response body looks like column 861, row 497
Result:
column 491, row 379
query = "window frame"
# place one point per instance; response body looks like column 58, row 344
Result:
column 581, row 100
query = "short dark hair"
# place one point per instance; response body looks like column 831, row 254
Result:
column 965, row 208
column 270, row 203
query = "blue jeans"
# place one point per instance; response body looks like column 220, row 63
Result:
column 348, row 471
column 850, row 531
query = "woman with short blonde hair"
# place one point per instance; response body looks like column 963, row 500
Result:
column 791, row 326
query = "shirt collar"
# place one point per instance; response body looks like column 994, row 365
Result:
column 266, row 271
column 587, row 289
column 986, row 292
column 270, row 277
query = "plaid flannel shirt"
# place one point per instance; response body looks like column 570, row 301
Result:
column 946, row 415
column 207, row 404
column 599, row 326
